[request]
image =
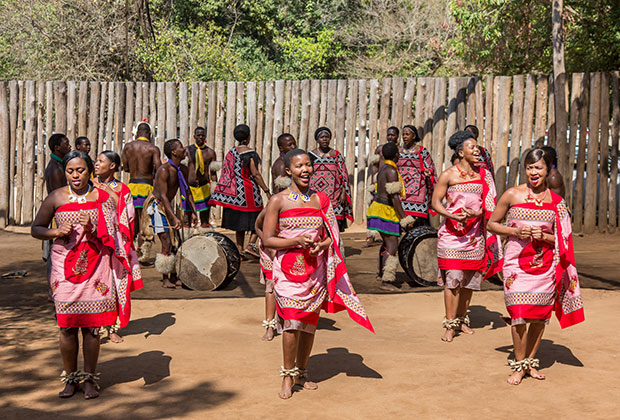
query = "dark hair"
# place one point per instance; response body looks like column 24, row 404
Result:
column 389, row 151
column 553, row 155
column 535, row 155
column 80, row 155
column 114, row 158
column 415, row 132
column 457, row 139
column 199, row 129
column 169, row 146
column 143, row 128
column 80, row 140
column 291, row 154
column 319, row 130
column 473, row 129
column 454, row 158
column 55, row 141
column 283, row 137
column 394, row 128
column 241, row 132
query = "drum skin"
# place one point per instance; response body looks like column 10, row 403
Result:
column 233, row 258
column 417, row 253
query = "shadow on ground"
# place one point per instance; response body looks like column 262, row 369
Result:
column 548, row 353
column 154, row 325
column 338, row 360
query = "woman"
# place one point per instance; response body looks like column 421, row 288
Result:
column 84, row 262
column 419, row 175
column 308, row 270
column 331, row 177
column 106, row 166
column 539, row 265
column 464, row 250
column 237, row 190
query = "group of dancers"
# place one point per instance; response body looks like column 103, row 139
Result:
column 101, row 236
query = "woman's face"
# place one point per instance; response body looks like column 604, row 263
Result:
column 300, row 170
column 470, row 151
column 77, row 173
column 536, row 173
column 409, row 137
column 392, row 135
column 104, row 167
column 324, row 139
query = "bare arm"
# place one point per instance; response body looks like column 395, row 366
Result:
column 40, row 229
column 258, row 226
column 375, row 167
column 124, row 160
column 258, row 178
column 270, row 238
column 161, row 185
column 187, row 172
column 495, row 224
column 213, row 174
column 156, row 159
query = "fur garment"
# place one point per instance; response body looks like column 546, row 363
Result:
column 394, row 187
column 145, row 250
column 407, row 221
column 282, row 182
column 373, row 159
column 165, row 263
column 389, row 269
column 215, row 166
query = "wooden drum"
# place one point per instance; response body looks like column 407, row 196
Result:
column 417, row 253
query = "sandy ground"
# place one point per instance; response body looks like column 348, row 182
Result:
column 199, row 355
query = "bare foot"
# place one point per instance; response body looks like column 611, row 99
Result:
column 369, row 244
column 251, row 252
column 269, row 334
column 448, row 336
column 388, row 287
column 68, row 391
column 167, row 284
column 286, row 391
column 466, row 329
column 115, row 338
column 178, row 283
column 536, row 374
column 515, row 378
column 305, row 383
column 90, row 391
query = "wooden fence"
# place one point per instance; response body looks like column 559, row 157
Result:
column 513, row 113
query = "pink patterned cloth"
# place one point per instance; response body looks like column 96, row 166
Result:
column 266, row 267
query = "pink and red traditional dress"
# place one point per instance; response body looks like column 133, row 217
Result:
column 411, row 166
column 303, row 283
column 465, row 250
column 236, row 189
column 331, row 177
column 266, row 267
column 538, row 276
column 89, row 269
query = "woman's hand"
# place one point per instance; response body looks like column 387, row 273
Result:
column 316, row 249
column 84, row 220
column 304, row 241
column 461, row 216
column 471, row 214
column 343, row 197
column 63, row 230
column 523, row 232
column 427, row 173
column 538, row 233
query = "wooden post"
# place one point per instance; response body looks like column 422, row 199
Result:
column 589, row 222
column 398, row 97
column 373, row 111
column 137, row 114
column 193, row 113
column 603, row 180
column 572, row 141
column 362, row 152
column 323, row 105
column 119, row 116
column 286, row 123
column 420, row 98
column 338, row 130
column 109, row 127
column 148, row 101
column 152, row 111
column 171, row 111
column 480, row 108
column 439, row 121
column 515, row 134
column 503, row 132
column 93, row 116
column 101, row 125
column 496, row 128
column 581, row 156
column 615, row 137
column 351, row 125
column 220, row 116
column 541, row 111
column 488, row 113
column 295, row 97
column 13, row 118
column 278, row 123
column 268, row 136
column 40, row 179
column 231, row 102
column 408, row 102
column 529, row 105
column 332, row 87
column 306, row 140
column 260, row 117
column 240, row 96
column 49, row 116
column 18, row 183
column 161, row 115
column 428, row 114
column 384, row 109
column 202, row 100
column 551, row 114
column 471, row 101
column 316, row 103
column 82, row 109
column 451, row 123
column 461, row 102
column 129, row 113
column 212, row 114
column 71, row 102
column 28, row 179
column 184, row 133
column 5, row 143
column 60, row 106
column 251, row 111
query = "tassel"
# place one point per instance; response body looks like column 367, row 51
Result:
column 393, row 187
column 389, row 269
column 373, row 159
column 282, row 182
column 215, row 166
column 165, row 263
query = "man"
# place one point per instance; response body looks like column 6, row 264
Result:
column 203, row 159
column 555, row 182
column 82, row 143
column 280, row 180
column 170, row 177
column 141, row 159
column 54, row 173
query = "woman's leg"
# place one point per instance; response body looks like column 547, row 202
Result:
column 91, row 355
column 534, row 337
column 304, row 349
column 451, row 299
column 270, row 313
column 464, row 301
column 240, row 237
column 519, row 340
column 69, row 347
column 289, row 350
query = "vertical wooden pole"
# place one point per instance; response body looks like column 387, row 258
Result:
column 260, row 117
column 101, row 125
column 109, row 127
column 28, row 178
column 60, row 106
column 603, row 179
column 572, row 140
column 119, row 116
column 171, row 111
column 153, row 91
column 161, row 115
column 148, row 101
column 515, row 132
column 316, row 103
column 408, row 103
column 420, row 98
column 479, row 108
column 278, row 122
column 93, row 116
column 350, row 133
column 471, row 101
column 240, row 95
column 529, row 105
column 461, row 102
column 137, row 114
column 13, row 118
column 306, row 141
column 49, row 116
column 295, row 97
column 193, row 113
column 82, row 109
column 429, row 106
column 286, row 123
column 578, row 198
column 251, row 111
column 362, row 151
column 488, row 112
column 5, row 143
column 202, row 100
column 439, row 121
column 71, row 102
column 268, row 136
column 373, row 113
column 541, row 110
column 129, row 113
column 503, row 132
column 323, row 106
column 384, row 109
column 220, row 117
column 231, row 103
column 211, row 112
column 451, row 123
column 184, row 136
column 40, row 179
column 338, row 130
column 398, row 97
column 589, row 222
column 615, row 137
column 332, row 88
column 18, row 183
column 551, row 126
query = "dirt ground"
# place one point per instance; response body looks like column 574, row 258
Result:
column 199, row 355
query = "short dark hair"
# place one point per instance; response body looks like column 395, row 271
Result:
column 473, row 129
column 553, row 155
column 169, row 146
column 114, row 158
column 389, row 151
column 283, row 137
column 199, row 129
column 535, row 155
column 143, row 127
column 415, row 132
column 80, row 155
column 457, row 139
column 291, row 154
column 80, row 140
column 55, row 141
column 394, row 128
column 241, row 132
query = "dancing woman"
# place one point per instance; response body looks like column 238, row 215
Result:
column 539, row 264
column 108, row 163
column 464, row 250
column 84, row 261
column 308, row 269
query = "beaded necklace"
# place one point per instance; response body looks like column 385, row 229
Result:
column 295, row 196
column 533, row 199
column 81, row 199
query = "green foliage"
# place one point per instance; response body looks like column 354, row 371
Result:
column 309, row 57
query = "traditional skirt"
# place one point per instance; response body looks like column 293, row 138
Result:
column 140, row 189
column 331, row 177
column 382, row 218
column 239, row 221
column 266, row 267
column 156, row 212
column 201, row 195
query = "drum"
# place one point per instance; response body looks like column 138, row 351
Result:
column 417, row 253
column 207, row 261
